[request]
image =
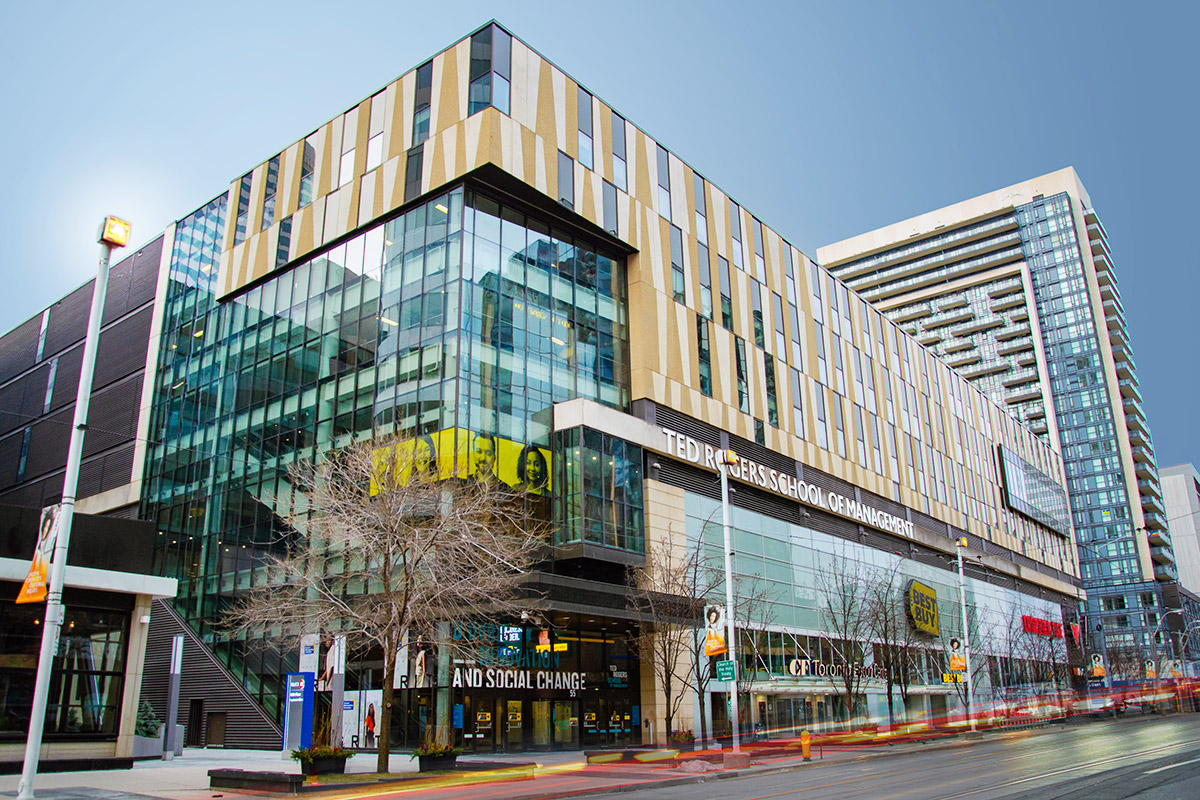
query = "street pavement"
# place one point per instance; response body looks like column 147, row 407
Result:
column 1152, row 758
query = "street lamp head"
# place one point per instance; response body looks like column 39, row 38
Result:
column 114, row 232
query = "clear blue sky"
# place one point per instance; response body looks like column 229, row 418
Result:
column 826, row 119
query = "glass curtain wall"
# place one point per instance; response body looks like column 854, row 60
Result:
column 462, row 320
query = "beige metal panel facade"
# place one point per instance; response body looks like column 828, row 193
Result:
column 936, row 435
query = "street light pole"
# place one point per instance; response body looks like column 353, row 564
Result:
column 114, row 233
column 962, row 603
column 728, row 459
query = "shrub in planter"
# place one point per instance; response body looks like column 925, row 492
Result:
column 684, row 740
column 147, row 732
column 432, row 757
column 322, row 759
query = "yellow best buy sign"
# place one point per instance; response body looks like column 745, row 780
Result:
column 923, row 608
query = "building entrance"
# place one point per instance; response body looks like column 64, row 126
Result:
column 506, row 724
column 608, row 722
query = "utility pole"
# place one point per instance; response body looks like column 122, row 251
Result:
column 728, row 459
column 962, row 602
column 114, row 233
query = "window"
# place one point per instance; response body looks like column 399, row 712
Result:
column 610, row 208
column 421, row 102
column 283, row 247
column 375, row 133
column 25, row 436
column 491, row 59
column 243, row 208
column 742, row 379
column 583, row 110
column 678, row 282
column 760, row 432
column 704, row 349
column 664, row 182
column 757, row 314
column 760, row 263
column 349, row 136
column 772, row 396
column 797, row 403
column 618, row 152
column 822, row 418
column 726, row 294
column 701, row 210
column 780, row 339
column 839, row 425
column 566, row 180
column 308, row 165
column 735, row 230
column 412, row 173
column 860, row 431
column 705, row 268
column 272, row 185
column 822, row 365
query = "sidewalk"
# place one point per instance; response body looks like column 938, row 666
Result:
column 558, row 773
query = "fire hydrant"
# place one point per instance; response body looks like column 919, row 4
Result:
column 805, row 746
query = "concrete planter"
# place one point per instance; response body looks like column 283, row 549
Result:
column 148, row 746
column 435, row 763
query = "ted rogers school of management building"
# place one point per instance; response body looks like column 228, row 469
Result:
column 485, row 255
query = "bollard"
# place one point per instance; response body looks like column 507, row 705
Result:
column 805, row 746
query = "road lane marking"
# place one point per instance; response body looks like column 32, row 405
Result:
column 1073, row 769
column 1170, row 766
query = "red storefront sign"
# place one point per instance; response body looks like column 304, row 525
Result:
column 1042, row 627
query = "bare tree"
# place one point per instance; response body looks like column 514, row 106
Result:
column 1126, row 662
column 978, row 632
column 670, row 590
column 845, row 611
column 896, row 641
column 388, row 549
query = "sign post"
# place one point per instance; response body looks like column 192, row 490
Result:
column 729, row 459
column 726, row 672
column 298, row 711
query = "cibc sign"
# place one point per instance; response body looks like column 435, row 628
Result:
column 688, row 449
column 923, row 608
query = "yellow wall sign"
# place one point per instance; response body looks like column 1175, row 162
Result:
column 923, row 608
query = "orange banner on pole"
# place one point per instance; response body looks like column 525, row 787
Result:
column 33, row 590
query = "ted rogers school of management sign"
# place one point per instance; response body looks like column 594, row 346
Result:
column 688, row 449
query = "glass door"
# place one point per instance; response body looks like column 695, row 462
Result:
column 514, row 736
column 541, row 722
column 566, row 724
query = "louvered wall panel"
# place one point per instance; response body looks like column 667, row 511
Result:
column 68, row 320
column 18, row 348
column 205, row 679
column 700, row 431
column 66, row 378
column 112, row 415
column 22, row 400
column 122, row 348
column 48, row 444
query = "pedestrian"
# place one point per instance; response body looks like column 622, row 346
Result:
column 370, row 725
